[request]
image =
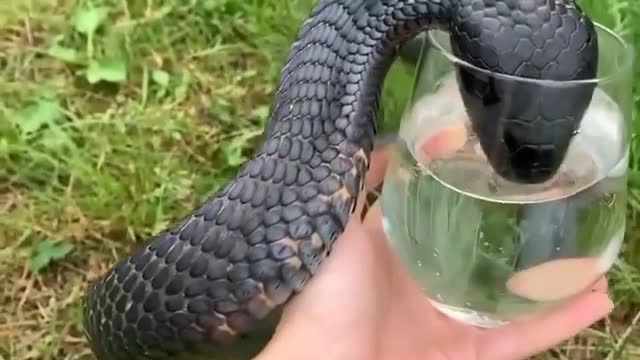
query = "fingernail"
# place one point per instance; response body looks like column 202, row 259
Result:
column 605, row 309
column 610, row 305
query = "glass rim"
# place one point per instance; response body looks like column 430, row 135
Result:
column 626, row 52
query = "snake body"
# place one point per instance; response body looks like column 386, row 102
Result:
column 222, row 270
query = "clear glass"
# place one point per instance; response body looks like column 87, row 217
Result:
column 487, row 251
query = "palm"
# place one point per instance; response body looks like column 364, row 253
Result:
column 363, row 305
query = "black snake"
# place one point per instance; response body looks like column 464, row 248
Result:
column 219, row 274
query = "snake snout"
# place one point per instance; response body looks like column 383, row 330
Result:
column 523, row 161
column 525, row 128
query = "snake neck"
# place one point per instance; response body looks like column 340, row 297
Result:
column 331, row 80
column 325, row 108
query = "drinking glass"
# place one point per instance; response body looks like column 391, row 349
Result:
column 487, row 251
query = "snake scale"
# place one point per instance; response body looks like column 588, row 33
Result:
column 220, row 272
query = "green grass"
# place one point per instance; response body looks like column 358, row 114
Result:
column 118, row 116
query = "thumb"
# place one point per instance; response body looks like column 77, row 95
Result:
column 521, row 340
column 344, row 294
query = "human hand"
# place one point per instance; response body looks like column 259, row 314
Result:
column 363, row 305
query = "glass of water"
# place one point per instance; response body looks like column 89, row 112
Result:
column 486, row 250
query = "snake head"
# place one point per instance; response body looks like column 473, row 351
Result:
column 519, row 84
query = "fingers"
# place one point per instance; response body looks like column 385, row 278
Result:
column 522, row 340
column 379, row 162
column 601, row 285
column 377, row 169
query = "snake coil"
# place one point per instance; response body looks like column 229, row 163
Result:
column 220, row 272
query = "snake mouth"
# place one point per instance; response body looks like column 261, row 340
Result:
column 530, row 164
column 520, row 156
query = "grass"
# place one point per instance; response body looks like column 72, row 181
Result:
column 117, row 116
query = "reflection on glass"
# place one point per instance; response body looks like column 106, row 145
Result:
column 486, row 250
